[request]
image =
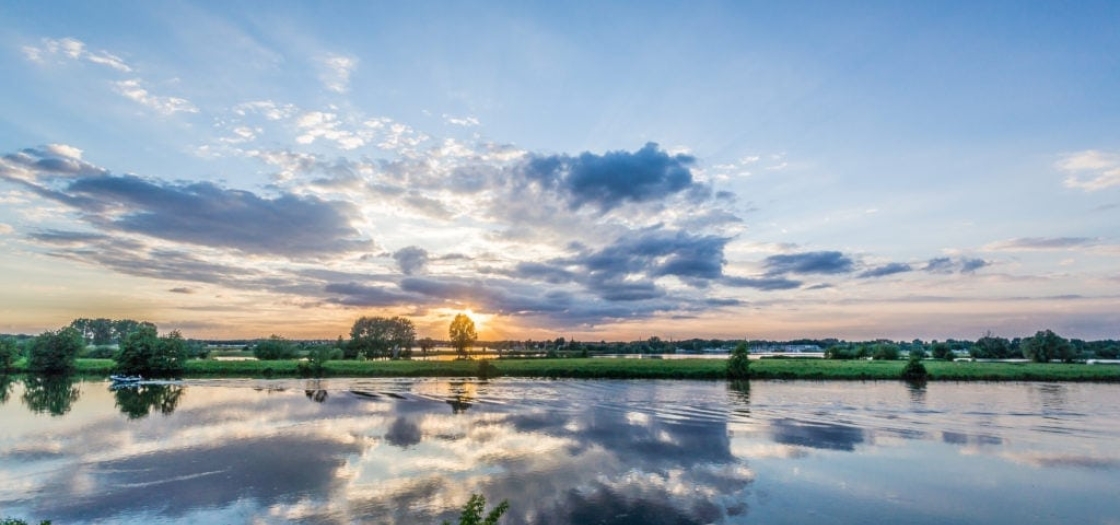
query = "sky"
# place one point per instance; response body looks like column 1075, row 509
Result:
column 597, row 171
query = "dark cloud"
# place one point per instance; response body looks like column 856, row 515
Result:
column 50, row 160
column 609, row 180
column 945, row 265
column 824, row 262
column 886, row 269
column 939, row 265
column 657, row 253
column 182, row 290
column 355, row 294
column 205, row 214
column 762, row 283
column 411, row 259
column 543, row 272
column 971, row 265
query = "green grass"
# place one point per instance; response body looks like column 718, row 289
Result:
column 815, row 369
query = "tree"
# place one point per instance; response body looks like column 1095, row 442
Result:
column 462, row 334
column 942, row 351
column 426, row 344
column 1045, row 346
column 143, row 352
column 472, row 511
column 991, row 347
column 275, row 347
column 373, row 337
column 55, row 353
column 739, row 364
column 915, row 371
column 9, row 353
column 885, row 352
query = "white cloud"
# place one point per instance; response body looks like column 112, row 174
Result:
column 73, row 49
column 336, row 72
column 267, row 108
column 5, row 229
column 133, row 89
column 1091, row 170
column 320, row 124
column 460, row 121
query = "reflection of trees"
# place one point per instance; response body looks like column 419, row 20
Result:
column 138, row 402
column 917, row 391
column 463, row 393
column 403, row 433
column 51, row 394
column 314, row 391
column 814, row 434
column 6, row 382
column 740, row 392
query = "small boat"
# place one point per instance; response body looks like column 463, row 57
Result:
column 117, row 379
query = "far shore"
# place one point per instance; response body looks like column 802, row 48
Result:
column 593, row 368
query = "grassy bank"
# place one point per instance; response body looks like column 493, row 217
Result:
column 818, row 369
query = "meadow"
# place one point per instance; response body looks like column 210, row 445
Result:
column 595, row 368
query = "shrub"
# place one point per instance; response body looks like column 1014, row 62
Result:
column 55, row 353
column 9, row 353
column 143, row 352
column 275, row 347
column 915, row 370
column 486, row 369
column 885, row 352
column 739, row 364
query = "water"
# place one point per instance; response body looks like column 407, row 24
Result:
column 613, row 452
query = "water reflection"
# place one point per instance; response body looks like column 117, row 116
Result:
column 619, row 452
column 54, row 395
column 816, row 434
column 7, row 382
column 137, row 401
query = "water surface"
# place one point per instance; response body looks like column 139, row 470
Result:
column 617, row 452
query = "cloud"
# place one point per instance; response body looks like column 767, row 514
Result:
column 411, row 259
column 5, row 229
column 885, row 270
column 200, row 213
column 73, row 49
column 336, row 70
column 1042, row 243
column 763, row 283
column 945, row 265
column 609, row 180
column 132, row 89
column 1090, row 170
column 822, row 262
column 466, row 122
column 182, row 290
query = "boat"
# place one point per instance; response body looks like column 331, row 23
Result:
column 118, row 379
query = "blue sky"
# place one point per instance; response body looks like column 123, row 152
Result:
column 593, row 170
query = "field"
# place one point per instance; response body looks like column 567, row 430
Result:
column 646, row 369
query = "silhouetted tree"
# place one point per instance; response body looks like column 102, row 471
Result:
column 462, row 334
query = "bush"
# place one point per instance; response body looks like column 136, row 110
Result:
column 739, row 364
column 486, row 369
column 144, row 353
column 275, row 347
column 55, row 353
column 9, row 353
column 915, row 370
column 885, row 352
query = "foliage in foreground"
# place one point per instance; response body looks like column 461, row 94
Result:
column 739, row 364
column 472, row 512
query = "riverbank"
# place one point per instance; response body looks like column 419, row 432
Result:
column 586, row 368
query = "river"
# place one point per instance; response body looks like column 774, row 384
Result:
column 612, row 452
